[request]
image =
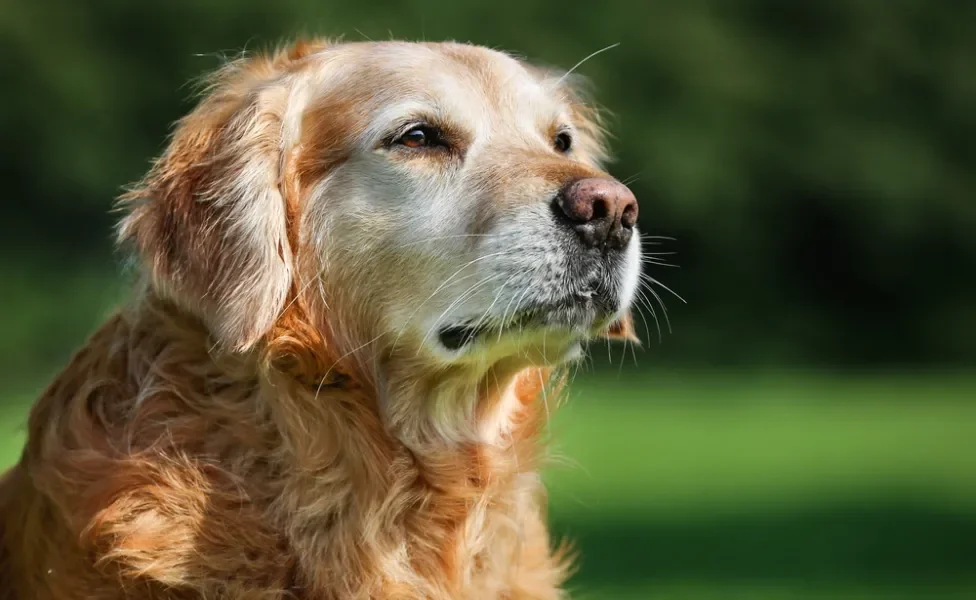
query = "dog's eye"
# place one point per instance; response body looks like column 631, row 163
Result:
column 563, row 142
column 422, row 136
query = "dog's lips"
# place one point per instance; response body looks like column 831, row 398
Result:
column 455, row 337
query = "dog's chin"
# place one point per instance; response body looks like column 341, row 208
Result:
column 549, row 334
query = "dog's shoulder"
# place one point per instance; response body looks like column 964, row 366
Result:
column 122, row 482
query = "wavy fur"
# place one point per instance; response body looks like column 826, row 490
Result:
column 232, row 433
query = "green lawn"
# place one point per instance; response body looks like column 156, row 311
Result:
column 706, row 486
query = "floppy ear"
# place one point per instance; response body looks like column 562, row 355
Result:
column 622, row 329
column 209, row 221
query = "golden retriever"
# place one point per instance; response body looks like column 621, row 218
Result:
column 360, row 261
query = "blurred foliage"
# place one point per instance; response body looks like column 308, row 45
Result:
column 814, row 160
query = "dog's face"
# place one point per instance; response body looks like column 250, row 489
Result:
column 468, row 203
column 441, row 198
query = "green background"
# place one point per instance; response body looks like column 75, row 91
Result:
column 808, row 427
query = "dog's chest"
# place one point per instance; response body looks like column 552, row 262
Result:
column 444, row 547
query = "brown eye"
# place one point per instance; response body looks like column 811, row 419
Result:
column 420, row 137
column 415, row 138
column 563, row 142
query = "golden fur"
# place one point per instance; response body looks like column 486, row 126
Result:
column 227, row 435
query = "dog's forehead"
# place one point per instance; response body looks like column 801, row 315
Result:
column 470, row 83
column 502, row 82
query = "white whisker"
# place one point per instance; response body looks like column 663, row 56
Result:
column 409, row 319
column 580, row 63
column 497, row 297
column 461, row 298
column 501, row 325
column 447, row 281
column 340, row 359
column 650, row 280
column 642, row 298
column 664, row 310
column 448, row 237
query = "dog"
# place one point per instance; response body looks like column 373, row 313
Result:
column 360, row 264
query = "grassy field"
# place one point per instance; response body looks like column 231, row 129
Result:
column 704, row 486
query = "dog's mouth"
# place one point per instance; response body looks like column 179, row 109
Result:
column 455, row 337
column 578, row 313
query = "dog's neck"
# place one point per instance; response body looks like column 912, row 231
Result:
column 446, row 460
column 432, row 413
column 458, row 405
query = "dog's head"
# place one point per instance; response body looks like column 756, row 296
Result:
column 440, row 199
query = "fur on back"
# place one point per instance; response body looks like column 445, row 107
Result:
column 265, row 418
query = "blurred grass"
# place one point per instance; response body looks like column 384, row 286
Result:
column 705, row 486
column 709, row 486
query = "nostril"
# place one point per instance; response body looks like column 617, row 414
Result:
column 575, row 206
column 601, row 209
column 629, row 217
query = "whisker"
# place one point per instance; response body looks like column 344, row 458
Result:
column 494, row 300
column 655, row 240
column 461, row 298
column 409, row 319
column 545, row 395
column 650, row 280
column 575, row 371
column 340, row 359
column 642, row 303
column 449, row 237
column 664, row 308
column 657, row 322
column 463, row 267
column 304, row 288
column 518, row 305
column 455, row 274
column 580, row 63
column 659, row 262
column 623, row 357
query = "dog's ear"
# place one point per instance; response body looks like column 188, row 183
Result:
column 623, row 329
column 209, row 220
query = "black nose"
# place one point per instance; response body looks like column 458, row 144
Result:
column 602, row 211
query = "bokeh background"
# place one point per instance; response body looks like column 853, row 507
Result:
column 806, row 427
